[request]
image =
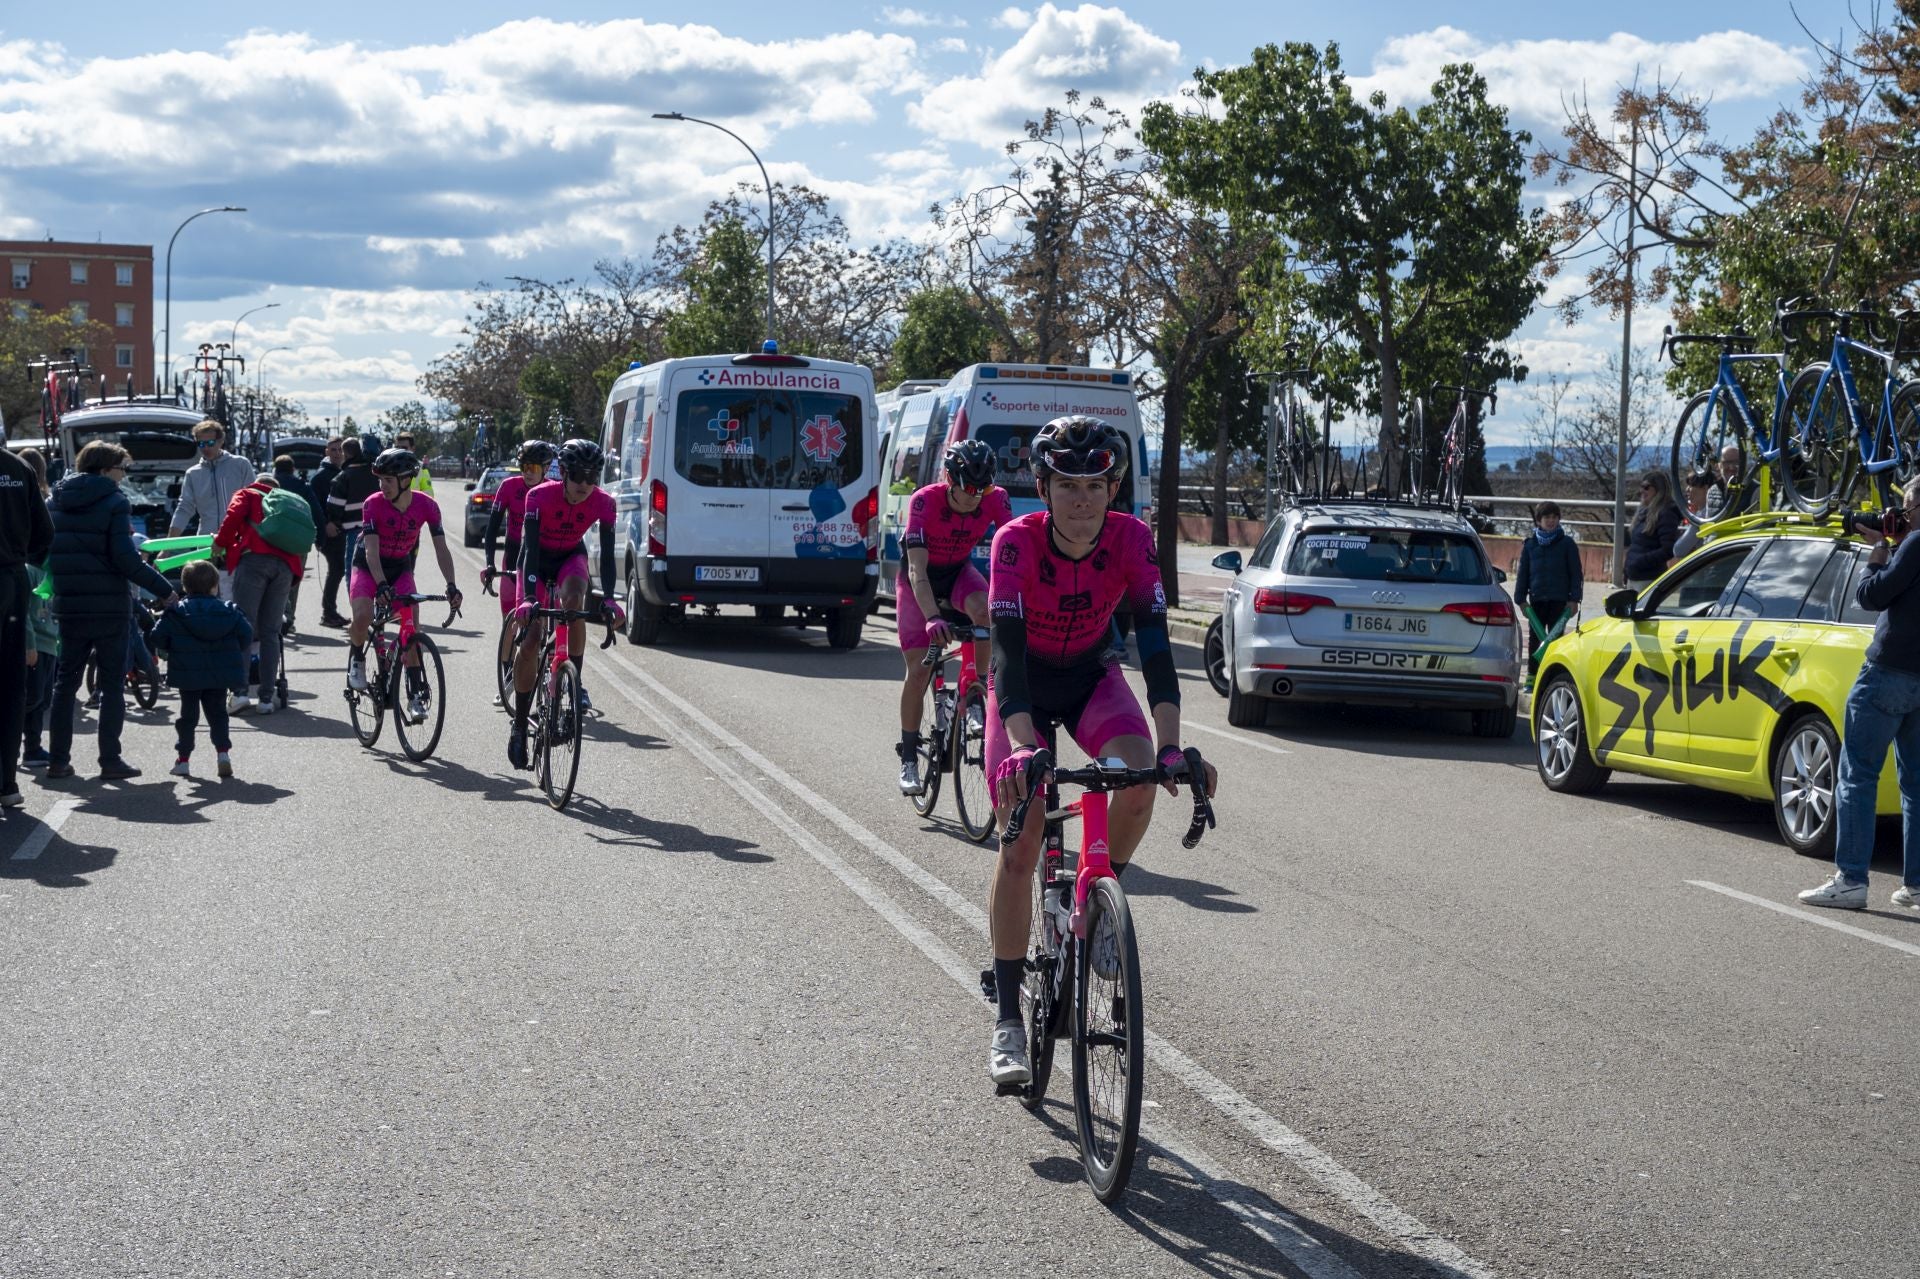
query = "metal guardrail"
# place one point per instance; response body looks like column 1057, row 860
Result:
column 1245, row 503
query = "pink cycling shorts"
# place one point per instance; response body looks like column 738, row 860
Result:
column 508, row 584
column 913, row 626
column 1107, row 711
column 360, row 586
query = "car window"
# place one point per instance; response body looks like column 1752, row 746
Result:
column 1387, row 555
column 1695, row 592
column 1851, row 613
column 769, row 439
column 1269, row 543
column 1783, row 574
column 1823, row 600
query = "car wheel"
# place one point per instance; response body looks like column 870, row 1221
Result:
column 1498, row 722
column 1806, row 775
column 1560, row 738
column 1243, row 709
column 1214, row 656
column 644, row 621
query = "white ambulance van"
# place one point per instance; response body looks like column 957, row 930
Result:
column 745, row 480
column 1004, row 405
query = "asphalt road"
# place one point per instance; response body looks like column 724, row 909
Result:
column 1413, row 1014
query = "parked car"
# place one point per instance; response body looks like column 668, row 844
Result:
column 1372, row 602
column 480, row 504
column 1730, row 672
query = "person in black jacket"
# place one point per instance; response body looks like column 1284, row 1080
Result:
column 287, row 481
column 26, row 532
column 345, row 496
column 1655, row 529
column 1548, row 576
column 332, row 546
column 93, row 562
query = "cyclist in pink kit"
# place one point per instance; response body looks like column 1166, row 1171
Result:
column 391, row 523
column 553, row 550
column 945, row 521
column 509, row 512
column 1058, row 576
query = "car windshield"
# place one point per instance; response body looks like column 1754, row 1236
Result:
column 1387, row 555
column 491, row 481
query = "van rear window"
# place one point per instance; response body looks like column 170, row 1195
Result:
column 1012, row 451
column 769, row 439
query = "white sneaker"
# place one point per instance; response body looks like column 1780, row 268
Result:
column 1906, row 895
column 264, row 706
column 180, row 769
column 357, row 674
column 1839, row 892
column 238, row 704
column 417, row 709
column 1007, row 1059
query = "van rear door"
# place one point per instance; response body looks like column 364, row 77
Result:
column 828, row 469
column 723, row 446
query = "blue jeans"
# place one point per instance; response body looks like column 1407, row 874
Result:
column 1883, row 710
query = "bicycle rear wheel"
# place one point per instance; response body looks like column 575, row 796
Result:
column 1906, row 428
column 1820, row 452
column 418, row 738
column 367, row 708
column 971, row 795
column 145, row 684
column 1109, row 1042
column 560, row 736
column 931, row 754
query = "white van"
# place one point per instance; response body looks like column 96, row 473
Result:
column 744, row 480
column 1005, row 405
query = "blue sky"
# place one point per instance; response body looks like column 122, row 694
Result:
column 391, row 155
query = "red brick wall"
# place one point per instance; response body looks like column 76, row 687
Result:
column 50, row 288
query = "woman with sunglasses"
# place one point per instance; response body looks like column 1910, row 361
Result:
column 1058, row 576
column 945, row 521
column 1654, row 531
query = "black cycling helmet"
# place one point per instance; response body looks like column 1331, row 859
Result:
column 534, row 453
column 580, row 460
column 1079, row 446
column 398, row 463
column 970, row 464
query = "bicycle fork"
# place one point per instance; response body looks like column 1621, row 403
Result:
column 1094, row 862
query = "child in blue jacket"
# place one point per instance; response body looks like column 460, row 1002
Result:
column 206, row 640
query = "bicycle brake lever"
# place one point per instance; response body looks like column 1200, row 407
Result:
column 608, row 641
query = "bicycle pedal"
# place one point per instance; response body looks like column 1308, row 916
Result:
column 989, row 988
column 1009, row 1090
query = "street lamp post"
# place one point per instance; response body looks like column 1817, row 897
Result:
column 224, row 208
column 260, row 377
column 234, row 337
column 765, row 181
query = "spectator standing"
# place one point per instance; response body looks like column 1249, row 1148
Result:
column 1704, row 500
column 208, row 486
column 265, row 536
column 1882, row 710
column 1655, row 529
column 1548, row 576
column 423, row 482
column 93, row 561
column 43, row 638
column 348, row 493
column 26, row 533
column 332, row 545
column 287, row 481
column 206, row 639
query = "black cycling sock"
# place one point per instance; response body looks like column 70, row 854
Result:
column 908, row 747
column 1008, row 974
column 1120, row 869
column 359, row 652
column 522, row 707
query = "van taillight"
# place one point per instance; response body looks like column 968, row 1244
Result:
column 656, row 519
column 865, row 518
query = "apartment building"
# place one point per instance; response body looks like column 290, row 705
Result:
column 111, row 284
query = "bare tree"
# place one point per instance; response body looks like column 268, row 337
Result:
column 1589, row 446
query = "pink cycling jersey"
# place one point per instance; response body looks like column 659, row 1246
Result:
column 398, row 531
column 563, row 523
column 511, row 498
column 948, row 535
column 1067, row 604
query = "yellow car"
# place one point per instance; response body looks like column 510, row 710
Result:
column 1731, row 672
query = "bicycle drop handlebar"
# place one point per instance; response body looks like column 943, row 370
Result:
column 937, row 653
column 384, row 615
column 579, row 615
column 1103, row 778
column 1491, row 396
column 1671, row 342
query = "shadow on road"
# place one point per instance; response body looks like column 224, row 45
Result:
column 1197, row 893
column 161, row 802
column 60, row 864
column 633, row 830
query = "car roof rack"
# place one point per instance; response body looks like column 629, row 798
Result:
column 1832, row 524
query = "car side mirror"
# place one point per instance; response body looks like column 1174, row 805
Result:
column 1229, row 560
column 470, row 486
column 1500, row 576
column 1621, row 603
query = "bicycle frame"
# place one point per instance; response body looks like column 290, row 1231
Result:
column 1839, row 363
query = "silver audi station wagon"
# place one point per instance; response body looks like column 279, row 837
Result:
column 1369, row 601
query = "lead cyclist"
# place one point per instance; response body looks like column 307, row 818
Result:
column 1057, row 577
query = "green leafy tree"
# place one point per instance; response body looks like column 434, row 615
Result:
column 36, row 335
column 942, row 331
column 1224, row 416
column 726, row 296
column 1406, row 228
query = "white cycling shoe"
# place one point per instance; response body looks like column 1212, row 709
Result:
column 1007, row 1059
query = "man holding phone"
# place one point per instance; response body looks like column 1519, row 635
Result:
column 1883, row 709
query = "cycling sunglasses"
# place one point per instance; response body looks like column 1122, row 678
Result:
column 1088, row 465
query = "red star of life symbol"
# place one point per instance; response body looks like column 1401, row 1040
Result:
column 823, row 439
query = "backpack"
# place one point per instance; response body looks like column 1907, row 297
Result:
column 286, row 522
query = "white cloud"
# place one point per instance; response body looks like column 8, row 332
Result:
column 1013, row 19
column 919, row 18
column 1533, row 78
column 1093, row 49
column 950, row 44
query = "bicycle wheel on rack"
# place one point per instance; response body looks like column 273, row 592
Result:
column 1109, row 1042
column 1906, row 429
column 1697, row 440
column 968, row 754
column 560, row 737
column 931, row 755
column 503, row 671
column 367, row 708
column 1819, row 448
column 419, row 736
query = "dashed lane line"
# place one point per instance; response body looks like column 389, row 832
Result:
column 1238, row 738
column 36, row 842
column 1825, row 921
column 1358, row 1196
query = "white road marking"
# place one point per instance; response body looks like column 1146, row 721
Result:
column 1282, row 1231
column 1825, row 921
column 1241, row 738
column 35, row 844
column 1355, row 1193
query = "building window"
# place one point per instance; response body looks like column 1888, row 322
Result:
column 79, row 311
column 22, row 274
column 123, row 356
column 21, row 310
column 123, row 314
column 76, row 272
column 123, row 274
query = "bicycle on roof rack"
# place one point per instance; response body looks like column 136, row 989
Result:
column 1848, row 457
column 1723, row 416
column 1451, row 458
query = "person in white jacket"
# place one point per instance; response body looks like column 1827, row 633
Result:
column 207, row 488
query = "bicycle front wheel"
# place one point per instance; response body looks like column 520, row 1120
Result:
column 932, row 754
column 503, row 668
column 1697, row 440
column 1040, row 991
column 367, row 708
column 1819, row 446
column 971, row 795
column 560, row 733
column 419, row 701
column 1109, row 1042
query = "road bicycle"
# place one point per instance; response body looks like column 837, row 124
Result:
column 508, row 643
column 1850, row 458
column 143, row 681
column 957, row 740
column 1452, row 455
column 409, row 656
column 555, row 720
column 1083, row 962
column 1722, row 415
